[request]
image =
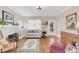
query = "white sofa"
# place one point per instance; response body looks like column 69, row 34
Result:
column 33, row 33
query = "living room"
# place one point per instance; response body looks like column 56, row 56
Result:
column 36, row 28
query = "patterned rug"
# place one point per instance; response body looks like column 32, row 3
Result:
column 30, row 46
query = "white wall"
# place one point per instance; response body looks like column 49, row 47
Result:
column 61, row 20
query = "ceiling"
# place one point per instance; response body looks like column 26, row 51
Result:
column 32, row 11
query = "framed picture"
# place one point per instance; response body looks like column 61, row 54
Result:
column 7, row 17
column 71, row 21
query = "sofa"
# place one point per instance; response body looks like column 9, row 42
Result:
column 33, row 33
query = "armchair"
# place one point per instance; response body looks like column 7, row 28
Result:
column 6, row 46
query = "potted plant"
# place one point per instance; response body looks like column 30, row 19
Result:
column 2, row 23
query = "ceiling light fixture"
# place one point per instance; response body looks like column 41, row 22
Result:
column 39, row 8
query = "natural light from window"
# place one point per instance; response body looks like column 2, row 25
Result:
column 34, row 24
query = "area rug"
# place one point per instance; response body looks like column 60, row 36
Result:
column 30, row 46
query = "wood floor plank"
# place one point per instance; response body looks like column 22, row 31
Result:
column 44, row 45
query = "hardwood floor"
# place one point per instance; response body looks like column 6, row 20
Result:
column 44, row 44
column 21, row 41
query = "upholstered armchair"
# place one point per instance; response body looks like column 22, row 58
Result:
column 6, row 46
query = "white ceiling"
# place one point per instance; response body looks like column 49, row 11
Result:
column 32, row 11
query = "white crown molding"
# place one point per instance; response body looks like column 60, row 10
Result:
column 64, row 10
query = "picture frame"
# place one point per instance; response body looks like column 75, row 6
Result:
column 7, row 17
column 71, row 21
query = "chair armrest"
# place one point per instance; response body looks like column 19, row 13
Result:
column 10, row 48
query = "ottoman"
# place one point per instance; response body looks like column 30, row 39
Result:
column 57, row 48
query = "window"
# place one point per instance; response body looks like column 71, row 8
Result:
column 34, row 24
